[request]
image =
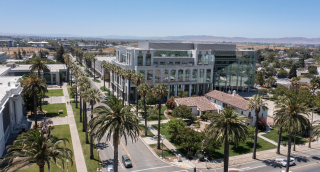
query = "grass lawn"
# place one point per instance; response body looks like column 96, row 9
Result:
column 55, row 92
column 61, row 131
column 69, row 91
column 242, row 148
column 96, row 80
column 53, row 109
column 102, row 89
column 92, row 165
column 107, row 94
column 166, row 152
column 273, row 135
column 89, row 73
column 162, row 117
column 150, row 134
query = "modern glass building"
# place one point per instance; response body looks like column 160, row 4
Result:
column 193, row 67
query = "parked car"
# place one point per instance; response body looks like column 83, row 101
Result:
column 126, row 161
column 105, row 98
column 284, row 162
column 110, row 168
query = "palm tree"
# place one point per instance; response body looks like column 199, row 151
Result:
column 67, row 61
column 112, row 69
column 282, row 100
column 114, row 122
column 118, row 70
column 130, row 73
column 83, row 84
column 313, row 86
column 108, row 68
column 34, row 146
column 93, row 58
column 226, row 126
column 76, row 73
column 34, row 85
column 295, row 84
column 293, row 115
column 103, row 65
column 160, row 91
column 87, row 58
column 137, row 79
column 38, row 64
column 124, row 75
column 143, row 90
column 256, row 103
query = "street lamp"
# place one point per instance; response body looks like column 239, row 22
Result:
column 67, row 165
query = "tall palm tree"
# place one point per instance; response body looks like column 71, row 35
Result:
column 124, row 75
column 76, row 73
column 34, row 85
column 282, row 100
column 93, row 58
column 294, row 114
column 143, row 90
column 160, row 91
column 226, row 126
column 87, row 58
column 256, row 103
column 112, row 69
column 296, row 85
column 130, row 73
column 82, row 84
column 38, row 64
column 103, row 65
column 118, row 70
column 35, row 146
column 137, row 79
column 93, row 96
column 108, row 68
column 114, row 122
column 66, row 58
column 313, row 86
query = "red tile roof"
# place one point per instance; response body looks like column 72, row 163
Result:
column 236, row 101
column 201, row 102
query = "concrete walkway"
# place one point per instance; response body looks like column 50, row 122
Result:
column 78, row 153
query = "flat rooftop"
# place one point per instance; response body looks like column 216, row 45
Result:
column 52, row 67
column 106, row 58
column 3, row 69
column 4, row 87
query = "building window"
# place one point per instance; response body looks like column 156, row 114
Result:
column 184, row 63
column 199, row 59
column 215, row 101
column 155, row 64
column 143, row 72
column 162, row 63
column 180, row 75
column 208, row 75
column 187, row 75
column 148, row 59
column 201, row 75
column 191, row 63
column 165, row 75
column 170, row 63
column 194, row 75
column 206, row 59
column 177, row 63
column 149, row 77
column 173, row 75
column 241, row 112
column 140, row 60
column 157, row 76
column 249, row 115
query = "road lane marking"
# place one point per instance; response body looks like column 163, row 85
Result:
column 305, row 165
column 118, row 156
column 127, row 153
column 250, row 168
column 152, row 168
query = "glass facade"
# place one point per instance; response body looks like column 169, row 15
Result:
column 194, row 75
column 149, row 77
column 187, row 75
column 199, row 59
column 148, row 59
column 165, row 76
column 168, row 54
column 201, row 75
column 140, row 60
column 206, row 59
column 208, row 75
column 157, row 76
column 180, row 75
column 173, row 75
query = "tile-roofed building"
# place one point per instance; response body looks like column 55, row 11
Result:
column 198, row 105
column 233, row 99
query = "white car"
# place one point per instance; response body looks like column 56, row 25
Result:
column 284, row 162
column 110, row 168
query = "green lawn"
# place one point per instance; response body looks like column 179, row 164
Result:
column 107, row 94
column 89, row 73
column 53, row 109
column 61, row 131
column 242, row 148
column 273, row 135
column 69, row 91
column 96, row 80
column 162, row 117
column 92, row 165
column 102, row 89
column 150, row 134
column 55, row 92
column 166, row 151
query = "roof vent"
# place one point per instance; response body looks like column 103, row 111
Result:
column 8, row 83
column 234, row 93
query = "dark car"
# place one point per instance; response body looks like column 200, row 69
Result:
column 126, row 161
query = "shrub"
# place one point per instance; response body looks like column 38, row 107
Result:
column 171, row 104
column 262, row 125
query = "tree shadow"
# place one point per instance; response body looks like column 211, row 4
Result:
column 250, row 145
column 240, row 149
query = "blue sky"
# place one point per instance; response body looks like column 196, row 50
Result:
column 238, row 18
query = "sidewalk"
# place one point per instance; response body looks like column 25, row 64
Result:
column 78, row 153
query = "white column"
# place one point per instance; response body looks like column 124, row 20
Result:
column 176, row 90
column 189, row 90
column 52, row 79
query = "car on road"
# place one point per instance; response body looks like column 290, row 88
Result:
column 105, row 98
column 284, row 162
column 126, row 161
column 110, row 168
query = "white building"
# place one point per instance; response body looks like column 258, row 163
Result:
column 217, row 101
column 193, row 67
column 11, row 110
column 3, row 57
column 38, row 44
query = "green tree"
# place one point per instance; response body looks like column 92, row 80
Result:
column 103, row 65
column 313, row 86
column 251, row 132
column 34, row 146
column 263, row 91
column 206, row 116
column 293, row 72
column 182, row 93
column 226, row 126
column 282, row 73
column 271, row 81
column 265, row 63
column 160, row 90
column 171, row 104
column 312, row 70
column 34, row 85
column 174, row 124
column 137, row 79
column 270, row 72
column 143, row 90
column 114, row 121
column 183, row 111
column 39, row 65
column 259, row 78
column 256, row 103
column 59, row 54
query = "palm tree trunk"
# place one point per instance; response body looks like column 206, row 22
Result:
column 67, row 75
column 91, row 111
column 109, row 82
column 86, row 128
column 94, row 69
column 279, row 140
column 104, row 80
column 76, row 96
column 35, row 107
column 129, row 90
column 311, row 121
column 81, row 111
column 158, row 146
column 137, row 98
column 294, row 139
column 115, row 152
column 289, row 150
column 84, row 112
column 254, row 156
column 41, row 168
column 145, row 116
column 226, row 153
column 123, row 83
column 91, row 147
